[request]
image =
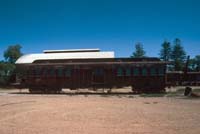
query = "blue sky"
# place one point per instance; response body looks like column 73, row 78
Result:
column 106, row 24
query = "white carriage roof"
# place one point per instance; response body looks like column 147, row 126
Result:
column 64, row 54
column 72, row 50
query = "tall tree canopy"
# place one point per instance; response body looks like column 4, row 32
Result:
column 139, row 51
column 165, row 52
column 12, row 53
column 178, row 55
column 6, row 71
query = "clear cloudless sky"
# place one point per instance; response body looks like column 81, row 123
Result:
column 114, row 25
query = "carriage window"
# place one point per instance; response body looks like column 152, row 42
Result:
column 31, row 72
column 144, row 72
column 45, row 72
column 128, row 72
column 119, row 72
column 161, row 71
column 68, row 72
column 153, row 71
column 135, row 71
column 98, row 71
column 51, row 72
column 198, row 78
column 37, row 71
column 60, row 72
column 28, row 72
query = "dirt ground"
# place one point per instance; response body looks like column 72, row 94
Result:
column 85, row 113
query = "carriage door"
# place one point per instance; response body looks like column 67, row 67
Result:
column 98, row 77
column 84, row 77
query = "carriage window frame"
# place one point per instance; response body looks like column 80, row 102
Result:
column 31, row 72
column 51, row 72
column 197, row 78
column 136, row 71
column 161, row 71
column 98, row 71
column 37, row 71
column 60, row 72
column 68, row 72
column 128, row 72
column 153, row 71
column 45, row 72
column 144, row 71
column 120, row 71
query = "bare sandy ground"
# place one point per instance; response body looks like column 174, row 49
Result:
column 97, row 113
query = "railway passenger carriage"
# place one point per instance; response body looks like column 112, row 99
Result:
column 52, row 73
column 179, row 78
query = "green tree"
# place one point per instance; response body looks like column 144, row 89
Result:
column 195, row 63
column 165, row 52
column 7, row 67
column 12, row 53
column 6, row 72
column 192, row 66
column 139, row 51
column 178, row 55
